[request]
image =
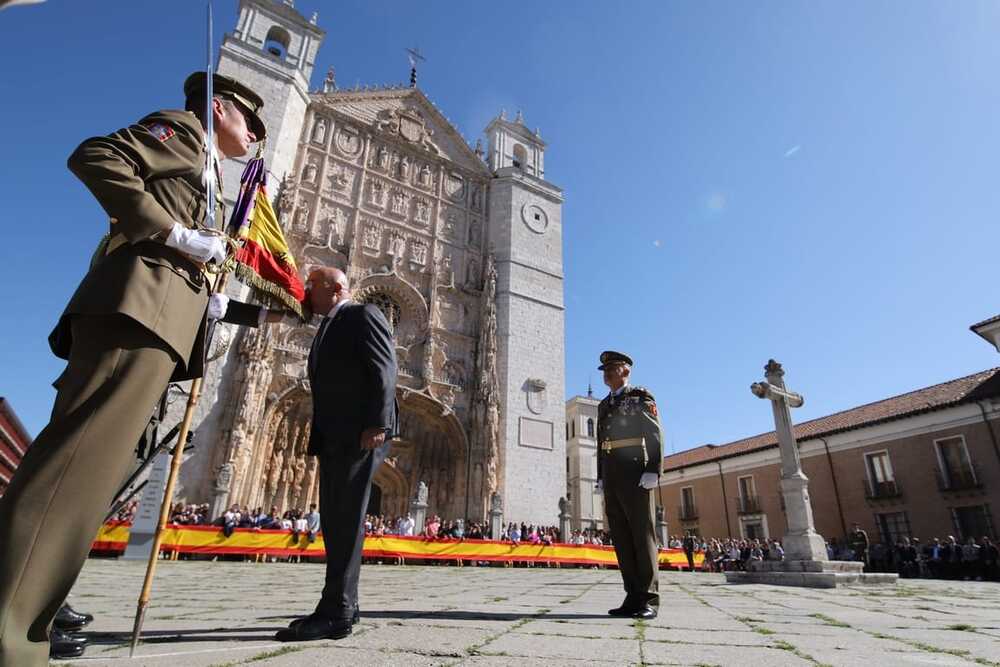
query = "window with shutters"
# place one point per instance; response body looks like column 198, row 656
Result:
column 955, row 468
column 880, row 482
column 893, row 526
column 973, row 521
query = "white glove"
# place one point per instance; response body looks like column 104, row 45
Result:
column 649, row 480
column 218, row 304
column 202, row 246
column 599, row 487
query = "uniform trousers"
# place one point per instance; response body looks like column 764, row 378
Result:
column 630, row 519
column 57, row 499
column 345, row 478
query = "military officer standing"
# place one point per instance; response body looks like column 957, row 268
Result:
column 629, row 459
column 136, row 321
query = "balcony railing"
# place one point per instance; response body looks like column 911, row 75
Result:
column 962, row 479
column 747, row 505
column 687, row 512
column 882, row 490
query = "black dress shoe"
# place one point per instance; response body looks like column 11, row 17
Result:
column 645, row 612
column 354, row 619
column 312, row 628
column 63, row 646
column 69, row 621
column 624, row 611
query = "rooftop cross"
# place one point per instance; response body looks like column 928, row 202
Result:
column 415, row 57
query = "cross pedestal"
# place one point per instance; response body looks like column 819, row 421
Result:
column 805, row 562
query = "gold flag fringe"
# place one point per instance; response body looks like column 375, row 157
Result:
column 274, row 293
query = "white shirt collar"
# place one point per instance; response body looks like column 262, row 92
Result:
column 333, row 311
column 620, row 390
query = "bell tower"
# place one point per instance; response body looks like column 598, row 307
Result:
column 273, row 50
column 525, row 213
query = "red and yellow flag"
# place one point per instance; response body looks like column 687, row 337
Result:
column 264, row 261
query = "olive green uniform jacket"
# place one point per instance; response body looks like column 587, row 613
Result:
column 632, row 414
column 147, row 177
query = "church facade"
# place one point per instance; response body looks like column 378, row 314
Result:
column 460, row 247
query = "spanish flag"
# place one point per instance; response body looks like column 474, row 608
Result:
column 264, row 261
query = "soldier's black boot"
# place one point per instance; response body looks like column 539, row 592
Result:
column 63, row 645
column 69, row 620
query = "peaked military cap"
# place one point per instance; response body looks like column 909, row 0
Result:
column 610, row 358
column 231, row 89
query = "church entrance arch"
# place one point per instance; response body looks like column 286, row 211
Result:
column 432, row 448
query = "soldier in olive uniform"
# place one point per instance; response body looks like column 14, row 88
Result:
column 136, row 321
column 629, row 457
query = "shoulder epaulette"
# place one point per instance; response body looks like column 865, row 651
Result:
column 640, row 391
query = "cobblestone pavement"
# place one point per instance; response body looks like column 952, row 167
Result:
column 227, row 613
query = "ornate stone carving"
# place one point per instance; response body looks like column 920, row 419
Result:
column 424, row 178
column 376, row 193
column 302, row 217
column 418, row 252
column 409, row 124
column 400, row 202
column 372, row 239
column 422, row 211
column 397, row 244
column 340, row 180
column 309, row 172
column 454, row 186
column 288, row 191
column 348, row 141
column 224, row 477
column 537, row 391
column 319, row 131
column 475, row 234
column 485, row 431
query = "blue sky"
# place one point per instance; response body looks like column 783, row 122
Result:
column 810, row 181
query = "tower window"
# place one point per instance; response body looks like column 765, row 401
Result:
column 277, row 41
column 520, row 156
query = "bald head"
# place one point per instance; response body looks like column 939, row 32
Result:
column 327, row 287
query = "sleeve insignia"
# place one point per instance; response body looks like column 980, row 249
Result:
column 160, row 131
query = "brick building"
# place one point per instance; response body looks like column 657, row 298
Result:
column 14, row 441
column 925, row 463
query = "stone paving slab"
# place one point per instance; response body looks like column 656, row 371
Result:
column 222, row 614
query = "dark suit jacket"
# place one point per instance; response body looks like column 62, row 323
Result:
column 352, row 372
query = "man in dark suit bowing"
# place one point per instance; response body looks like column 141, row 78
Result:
column 352, row 372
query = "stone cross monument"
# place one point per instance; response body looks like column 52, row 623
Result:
column 802, row 542
column 805, row 562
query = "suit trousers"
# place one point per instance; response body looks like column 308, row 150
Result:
column 345, row 477
column 57, row 499
column 630, row 518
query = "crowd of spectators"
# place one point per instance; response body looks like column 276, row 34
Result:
column 437, row 528
column 297, row 521
column 189, row 515
column 726, row 555
column 975, row 560
column 127, row 511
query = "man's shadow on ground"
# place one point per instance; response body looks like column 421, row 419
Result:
column 255, row 633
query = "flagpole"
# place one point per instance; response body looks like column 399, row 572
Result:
column 219, row 285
